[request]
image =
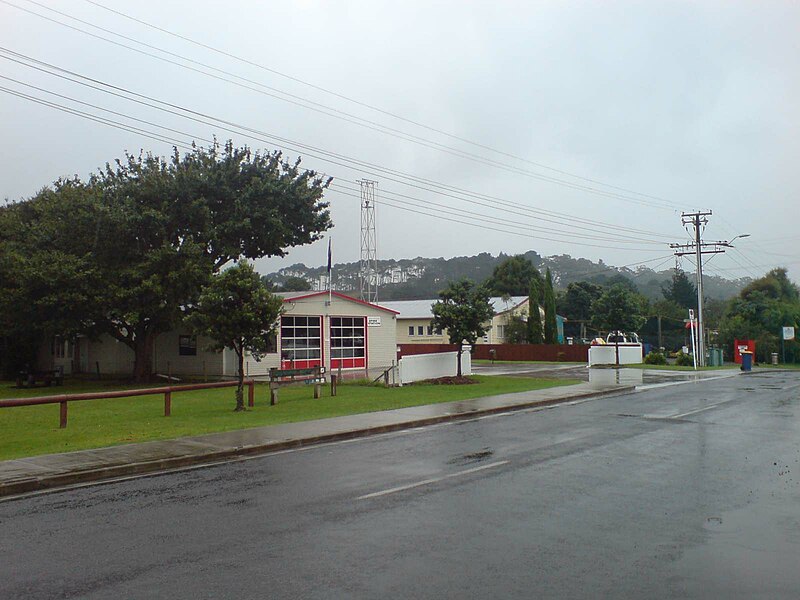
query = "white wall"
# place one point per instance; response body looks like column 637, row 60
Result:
column 417, row 367
column 629, row 354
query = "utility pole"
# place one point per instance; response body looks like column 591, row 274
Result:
column 698, row 221
column 368, row 267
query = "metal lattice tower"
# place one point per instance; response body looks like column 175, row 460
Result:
column 368, row 267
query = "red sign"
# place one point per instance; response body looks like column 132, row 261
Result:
column 740, row 346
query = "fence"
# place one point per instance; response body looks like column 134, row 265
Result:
column 511, row 352
column 64, row 399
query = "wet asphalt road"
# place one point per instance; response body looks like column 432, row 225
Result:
column 686, row 491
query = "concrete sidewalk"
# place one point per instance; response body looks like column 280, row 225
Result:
column 56, row 470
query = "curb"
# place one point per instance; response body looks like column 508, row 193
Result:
column 155, row 467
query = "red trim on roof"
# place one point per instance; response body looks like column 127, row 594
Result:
column 343, row 297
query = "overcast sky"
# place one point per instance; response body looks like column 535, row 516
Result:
column 685, row 105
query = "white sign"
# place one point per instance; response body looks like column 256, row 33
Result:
column 788, row 333
column 373, row 321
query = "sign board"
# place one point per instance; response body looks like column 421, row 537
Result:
column 788, row 333
column 373, row 321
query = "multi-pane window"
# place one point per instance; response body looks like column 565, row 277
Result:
column 420, row 330
column 348, row 342
column 187, row 345
column 410, row 330
column 301, row 342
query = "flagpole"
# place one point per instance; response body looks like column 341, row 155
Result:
column 330, row 274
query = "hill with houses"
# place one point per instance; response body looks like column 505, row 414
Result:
column 420, row 278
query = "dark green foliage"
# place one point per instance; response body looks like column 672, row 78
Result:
column 127, row 251
column 680, row 290
column 463, row 311
column 516, row 330
column 295, row 284
column 576, row 303
column 236, row 311
column 513, row 277
column 760, row 312
column 655, row 358
column 535, row 333
column 684, row 360
column 550, row 324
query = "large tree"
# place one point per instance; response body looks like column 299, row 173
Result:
column 513, row 277
column 463, row 310
column 618, row 309
column 680, row 290
column 141, row 238
column 550, row 321
column 236, row 311
column 535, row 298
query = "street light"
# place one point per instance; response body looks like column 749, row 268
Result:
column 741, row 235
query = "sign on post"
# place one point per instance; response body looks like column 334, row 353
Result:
column 788, row 333
column 373, row 321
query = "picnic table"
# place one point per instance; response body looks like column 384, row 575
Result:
column 47, row 377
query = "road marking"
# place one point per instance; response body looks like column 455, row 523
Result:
column 410, row 486
column 652, row 386
column 694, row 412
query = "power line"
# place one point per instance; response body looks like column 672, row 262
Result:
column 361, row 103
column 317, row 107
column 386, row 173
column 187, row 145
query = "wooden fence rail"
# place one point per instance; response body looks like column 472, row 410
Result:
column 64, row 399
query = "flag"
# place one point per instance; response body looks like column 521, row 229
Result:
column 329, row 259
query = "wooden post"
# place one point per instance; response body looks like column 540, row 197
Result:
column 317, row 389
column 251, row 393
column 386, row 378
column 334, row 379
column 63, row 419
column 167, row 404
column 273, row 394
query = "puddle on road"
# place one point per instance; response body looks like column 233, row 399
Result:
column 472, row 457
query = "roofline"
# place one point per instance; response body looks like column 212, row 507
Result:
column 343, row 297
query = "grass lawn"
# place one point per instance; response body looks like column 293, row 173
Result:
column 32, row 430
column 678, row 367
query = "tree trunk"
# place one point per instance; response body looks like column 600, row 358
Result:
column 240, row 387
column 143, row 357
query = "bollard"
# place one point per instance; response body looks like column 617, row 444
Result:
column 167, row 404
column 251, row 393
column 334, row 380
column 63, row 419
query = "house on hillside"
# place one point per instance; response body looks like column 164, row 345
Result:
column 322, row 328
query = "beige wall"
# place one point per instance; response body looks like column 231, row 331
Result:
column 168, row 360
column 404, row 338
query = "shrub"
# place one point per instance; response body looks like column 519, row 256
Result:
column 684, row 360
column 655, row 358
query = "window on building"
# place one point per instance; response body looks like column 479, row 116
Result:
column 57, row 347
column 420, row 330
column 348, row 343
column 410, row 330
column 430, row 330
column 501, row 331
column 301, row 342
column 187, row 345
column 272, row 343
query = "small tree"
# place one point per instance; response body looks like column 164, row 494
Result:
column 462, row 310
column 535, row 333
column 550, row 323
column 236, row 311
column 618, row 309
column 516, row 329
